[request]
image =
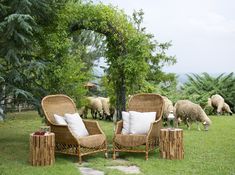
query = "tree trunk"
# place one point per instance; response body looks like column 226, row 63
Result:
column 123, row 94
column 118, row 102
column 121, row 97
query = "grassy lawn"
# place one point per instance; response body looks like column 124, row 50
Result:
column 211, row 152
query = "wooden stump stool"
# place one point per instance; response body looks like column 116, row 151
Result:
column 42, row 149
column 171, row 143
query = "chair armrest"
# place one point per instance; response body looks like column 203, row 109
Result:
column 154, row 131
column 119, row 126
column 93, row 127
column 62, row 134
column 56, row 127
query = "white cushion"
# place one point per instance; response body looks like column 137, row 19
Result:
column 126, row 122
column 59, row 120
column 140, row 121
column 76, row 125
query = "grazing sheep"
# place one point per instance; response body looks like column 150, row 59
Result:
column 82, row 112
column 112, row 113
column 168, row 107
column 105, row 106
column 227, row 109
column 95, row 105
column 108, row 110
column 219, row 104
column 190, row 112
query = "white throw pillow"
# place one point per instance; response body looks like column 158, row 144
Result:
column 126, row 122
column 59, row 120
column 140, row 121
column 76, row 125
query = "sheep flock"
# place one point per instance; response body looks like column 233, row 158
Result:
column 184, row 111
column 188, row 112
column 99, row 107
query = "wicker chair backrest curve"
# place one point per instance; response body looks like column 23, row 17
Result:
column 57, row 104
column 147, row 103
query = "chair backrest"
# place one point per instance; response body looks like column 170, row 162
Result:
column 147, row 102
column 57, row 104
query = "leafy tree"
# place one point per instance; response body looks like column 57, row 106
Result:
column 20, row 21
column 40, row 55
column 129, row 49
column 37, row 57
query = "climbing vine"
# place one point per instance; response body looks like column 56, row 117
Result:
column 129, row 51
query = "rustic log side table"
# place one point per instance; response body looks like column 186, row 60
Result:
column 42, row 149
column 171, row 143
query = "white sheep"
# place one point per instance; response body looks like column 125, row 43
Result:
column 168, row 107
column 82, row 112
column 95, row 105
column 217, row 102
column 227, row 109
column 108, row 110
column 190, row 112
column 105, row 105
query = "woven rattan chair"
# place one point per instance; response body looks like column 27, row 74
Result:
column 140, row 143
column 65, row 141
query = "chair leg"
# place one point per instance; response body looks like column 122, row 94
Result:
column 114, row 155
column 147, row 151
column 106, row 154
column 80, row 159
column 146, row 156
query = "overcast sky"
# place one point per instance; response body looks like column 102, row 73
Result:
column 202, row 31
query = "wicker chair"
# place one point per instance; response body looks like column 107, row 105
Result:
column 140, row 143
column 65, row 141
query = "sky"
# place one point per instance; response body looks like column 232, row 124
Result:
column 202, row 32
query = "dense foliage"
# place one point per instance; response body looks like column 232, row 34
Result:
column 21, row 23
column 200, row 87
column 38, row 57
column 130, row 50
column 50, row 47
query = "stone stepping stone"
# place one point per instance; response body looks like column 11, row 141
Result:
column 120, row 162
column 126, row 169
column 90, row 171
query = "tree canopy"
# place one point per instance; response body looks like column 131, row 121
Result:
column 129, row 50
column 46, row 47
column 21, row 23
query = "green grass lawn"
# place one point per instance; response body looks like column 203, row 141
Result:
column 211, row 152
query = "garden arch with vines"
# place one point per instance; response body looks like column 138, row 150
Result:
column 128, row 49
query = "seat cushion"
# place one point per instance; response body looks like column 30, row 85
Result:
column 130, row 140
column 92, row 141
